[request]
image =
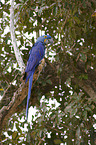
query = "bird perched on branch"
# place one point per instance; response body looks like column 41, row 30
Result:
column 36, row 54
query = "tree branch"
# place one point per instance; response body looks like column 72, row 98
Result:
column 14, row 43
column 17, row 102
column 15, row 105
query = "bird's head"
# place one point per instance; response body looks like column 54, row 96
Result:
column 45, row 38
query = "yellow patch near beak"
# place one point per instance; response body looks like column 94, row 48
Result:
column 45, row 40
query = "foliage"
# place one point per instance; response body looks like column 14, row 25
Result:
column 73, row 28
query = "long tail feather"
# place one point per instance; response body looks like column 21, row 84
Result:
column 29, row 93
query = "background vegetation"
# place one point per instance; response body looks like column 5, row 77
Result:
column 69, row 74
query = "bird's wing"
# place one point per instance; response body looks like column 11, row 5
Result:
column 36, row 54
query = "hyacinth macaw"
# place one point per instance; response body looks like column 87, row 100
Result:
column 36, row 54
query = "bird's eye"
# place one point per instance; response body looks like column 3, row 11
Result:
column 45, row 36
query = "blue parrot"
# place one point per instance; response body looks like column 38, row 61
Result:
column 36, row 54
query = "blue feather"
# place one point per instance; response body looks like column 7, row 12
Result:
column 29, row 93
column 36, row 54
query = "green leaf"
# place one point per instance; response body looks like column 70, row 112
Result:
column 55, row 10
column 85, row 115
column 78, row 136
column 49, row 82
column 43, row 83
column 68, row 109
column 83, row 57
column 77, row 20
column 9, row 132
column 83, row 76
column 57, row 141
column 78, row 132
column 73, row 112
column 88, row 109
column 14, row 135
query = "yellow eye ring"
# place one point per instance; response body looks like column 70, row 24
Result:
column 45, row 36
